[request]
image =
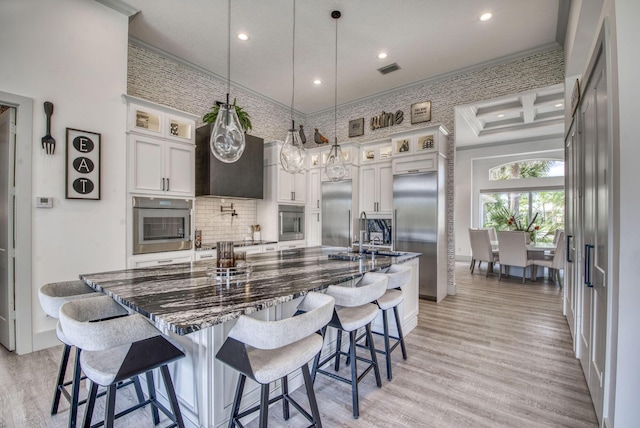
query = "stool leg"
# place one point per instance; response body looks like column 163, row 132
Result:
column 236, row 400
column 264, row 405
column 285, row 403
column 336, row 366
column 400, row 335
column 308, row 383
column 62, row 371
column 136, row 385
column 316, row 360
column 110, row 406
column 387, row 353
column 75, row 391
column 374, row 358
column 91, row 402
column 173, row 400
column 354, row 374
column 151, row 387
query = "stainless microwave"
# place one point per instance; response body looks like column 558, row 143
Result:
column 161, row 224
column 291, row 222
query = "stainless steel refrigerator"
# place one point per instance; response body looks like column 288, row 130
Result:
column 418, row 203
column 336, row 213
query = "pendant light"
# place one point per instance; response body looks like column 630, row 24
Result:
column 335, row 168
column 227, row 137
column 292, row 154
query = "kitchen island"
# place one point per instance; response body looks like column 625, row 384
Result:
column 196, row 310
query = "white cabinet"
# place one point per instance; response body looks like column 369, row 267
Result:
column 376, row 187
column 291, row 187
column 160, row 259
column 422, row 163
column 290, row 245
column 159, row 166
column 205, row 255
column 315, row 189
column 314, row 229
column 161, row 149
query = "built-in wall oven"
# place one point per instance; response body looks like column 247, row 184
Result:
column 161, row 224
column 291, row 222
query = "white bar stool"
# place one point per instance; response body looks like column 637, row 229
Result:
column 116, row 349
column 266, row 351
column 398, row 276
column 52, row 296
column 354, row 310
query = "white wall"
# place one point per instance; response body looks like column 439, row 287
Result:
column 74, row 54
column 472, row 176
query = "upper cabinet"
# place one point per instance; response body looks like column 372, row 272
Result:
column 419, row 150
column 161, row 149
column 376, row 178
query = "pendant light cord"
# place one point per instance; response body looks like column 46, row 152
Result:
column 228, row 50
column 335, row 95
column 293, row 65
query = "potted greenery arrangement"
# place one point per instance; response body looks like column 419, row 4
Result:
column 243, row 116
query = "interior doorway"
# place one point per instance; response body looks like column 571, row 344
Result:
column 7, row 211
column 16, row 203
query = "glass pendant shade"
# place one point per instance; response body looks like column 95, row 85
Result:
column 335, row 168
column 292, row 154
column 227, row 138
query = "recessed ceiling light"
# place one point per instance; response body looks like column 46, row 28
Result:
column 485, row 16
column 559, row 105
column 382, row 55
column 317, row 82
column 501, row 115
column 242, row 36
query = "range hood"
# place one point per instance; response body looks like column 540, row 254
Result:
column 241, row 179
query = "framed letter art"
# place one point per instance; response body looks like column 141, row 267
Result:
column 83, row 165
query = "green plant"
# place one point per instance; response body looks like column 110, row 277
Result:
column 243, row 116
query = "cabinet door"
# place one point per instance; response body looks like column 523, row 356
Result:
column 285, row 186
column 385, row 186
column 314, row 229
column 300, row 187
column 367, row 188
column 146, row 167
column 315, row 190
column 179, row 173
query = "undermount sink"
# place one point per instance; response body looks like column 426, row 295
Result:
column 354, row 257
column 388, row 253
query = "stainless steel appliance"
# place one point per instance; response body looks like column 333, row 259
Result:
column 291, row 222
column 161, row 224
column 336, row 213
column 419, row 226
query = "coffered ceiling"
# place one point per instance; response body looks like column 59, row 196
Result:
column 426, row 38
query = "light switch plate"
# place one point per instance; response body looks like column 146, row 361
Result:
column 44, row 202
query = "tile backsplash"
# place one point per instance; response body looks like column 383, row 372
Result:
column 222, row 226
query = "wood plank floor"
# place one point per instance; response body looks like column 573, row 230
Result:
column 498, row 354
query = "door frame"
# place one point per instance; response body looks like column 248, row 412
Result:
column 22, row 225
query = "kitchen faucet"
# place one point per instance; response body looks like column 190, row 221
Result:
column 363, row 232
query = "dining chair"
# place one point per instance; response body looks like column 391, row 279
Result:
column 481, row 249
column 513, row 252
column 556, row 263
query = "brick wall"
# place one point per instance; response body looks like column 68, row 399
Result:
column 165, row 81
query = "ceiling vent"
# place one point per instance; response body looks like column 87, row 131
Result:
column 389, row 68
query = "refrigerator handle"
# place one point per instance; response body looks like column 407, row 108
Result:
column 395, row 230
column 349, row 224
column 281, row 220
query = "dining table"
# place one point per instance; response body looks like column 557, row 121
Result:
column 535, row 250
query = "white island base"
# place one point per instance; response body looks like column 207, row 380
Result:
column 205, row 386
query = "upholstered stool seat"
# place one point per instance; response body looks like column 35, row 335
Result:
column 398, row 276
column 115, row 348
column 354, row 309
column 52, row 296
column 266, row 351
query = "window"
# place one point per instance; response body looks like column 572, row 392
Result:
column 527, row 169
column 542, row 208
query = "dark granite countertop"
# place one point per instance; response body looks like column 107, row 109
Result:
column 184, row 298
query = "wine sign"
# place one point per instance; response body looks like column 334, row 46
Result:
column 83, row 165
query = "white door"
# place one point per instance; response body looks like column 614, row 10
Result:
column 385, row 183
column 7, row 202
column 570, row 218
column 146, row 169
column 179, row 174
column 594, row 136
